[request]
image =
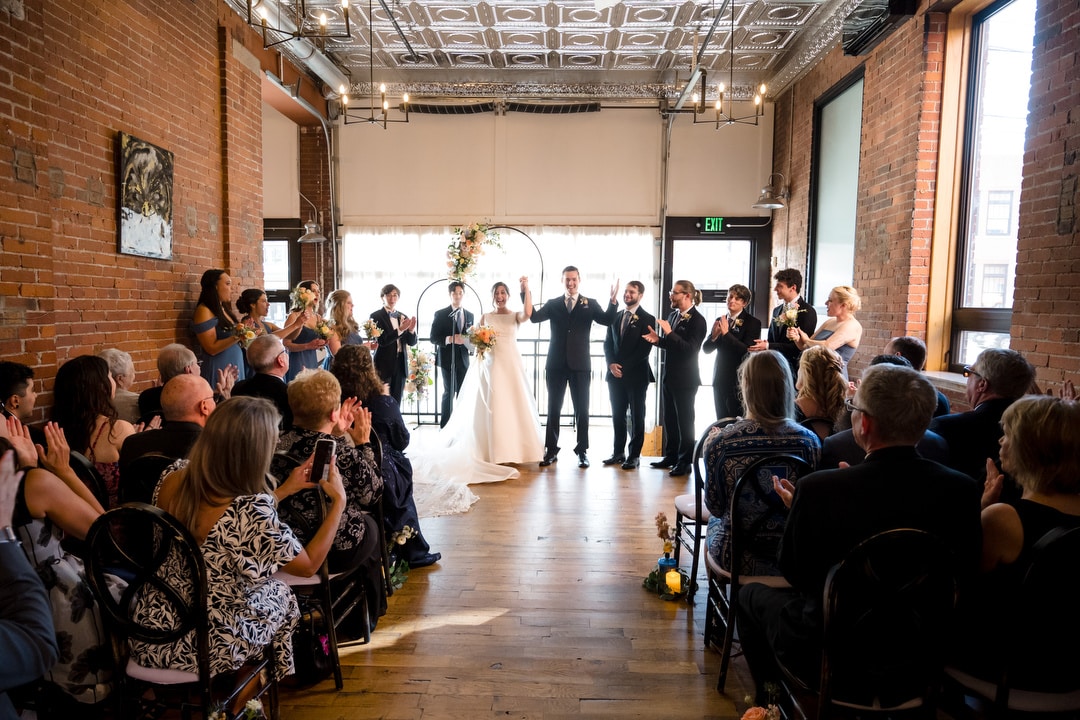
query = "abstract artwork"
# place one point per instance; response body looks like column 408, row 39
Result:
column 146, row 203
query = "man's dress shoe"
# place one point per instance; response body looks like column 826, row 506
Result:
column 582, row 460
column 425, row 560
column 549, row 458
column 631, row 464
column 663, row 464
column 679, row 471
column 615, row 460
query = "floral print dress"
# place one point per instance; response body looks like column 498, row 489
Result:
column 247, row 607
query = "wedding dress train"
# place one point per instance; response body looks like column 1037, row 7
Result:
column 494, row 421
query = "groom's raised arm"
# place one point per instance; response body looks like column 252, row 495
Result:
column 542, row 313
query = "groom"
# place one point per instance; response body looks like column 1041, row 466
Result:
column 451, row 346
column 568, row 362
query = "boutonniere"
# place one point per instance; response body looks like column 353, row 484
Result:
column 633, row 318
column 686, row 316
column 738, row 323
column 583, row 302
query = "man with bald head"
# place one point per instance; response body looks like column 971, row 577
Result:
column 270, row 360
column 186, row 401
column 173, row 360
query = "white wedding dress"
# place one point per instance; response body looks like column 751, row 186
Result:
column 494, row 421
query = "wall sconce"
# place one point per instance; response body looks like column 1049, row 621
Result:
column 312, row 230
column 773, row 197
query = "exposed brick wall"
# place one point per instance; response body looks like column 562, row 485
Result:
column 1046, row 302
column 316, row 261
column 898, row 164
column 72, row 74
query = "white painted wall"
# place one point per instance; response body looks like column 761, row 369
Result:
column 591, row 169
column 281, row 153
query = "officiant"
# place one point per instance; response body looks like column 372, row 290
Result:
column 448, row 335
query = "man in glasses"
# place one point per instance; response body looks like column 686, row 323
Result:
column 832, row 511
column 270, row 361
column 998, row 377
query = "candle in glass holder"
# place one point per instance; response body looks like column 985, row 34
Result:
column 674, row 581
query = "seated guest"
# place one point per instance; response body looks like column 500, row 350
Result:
column 270, row 362
column 221, row 495
column 913, row 350
column 996, row 378
column 186, row 403
column 174, row 359
column 17, row 395
column 834, row 510
column 82, row 406
column 840, row 332
column 27, row 637
column 122, row 370
column 767, row 429
column 52, row 504
column 355, row 369
column 821, row 389
column 1040, row 448
column 841, row 446
column 320, row 414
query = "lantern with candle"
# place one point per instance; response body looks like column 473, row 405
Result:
column 667, row 580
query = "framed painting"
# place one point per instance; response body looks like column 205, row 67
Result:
column 146, row 198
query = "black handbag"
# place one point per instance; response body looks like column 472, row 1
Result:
column 311, row 643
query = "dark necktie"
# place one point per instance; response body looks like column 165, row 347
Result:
column 625, row 322
column 460, row 320
column 569, row 303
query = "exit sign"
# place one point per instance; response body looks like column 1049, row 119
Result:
column 713, row 225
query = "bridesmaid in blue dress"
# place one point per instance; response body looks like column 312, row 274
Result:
column 841, row 331
column 214, row 326
column 303, row 349
column 255, row 306
column 339, row 306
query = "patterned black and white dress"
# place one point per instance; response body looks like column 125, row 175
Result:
column 247, row 607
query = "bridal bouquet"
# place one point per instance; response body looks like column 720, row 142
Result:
column 372, row 330
column 482, row 338
column 301, row 297
column 467, row 247
column 323, row 329
column 420, row 365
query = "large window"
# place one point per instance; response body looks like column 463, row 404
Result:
column 999, row 83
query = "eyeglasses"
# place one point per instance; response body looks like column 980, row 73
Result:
column 852, row 407
column 968, row 372
column 676, row 292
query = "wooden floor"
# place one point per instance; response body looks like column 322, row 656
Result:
column 537, row 611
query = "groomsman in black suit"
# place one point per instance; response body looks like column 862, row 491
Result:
column 451, row 346
column 398, row 332
column 568, row 362
column 788, row 285
column 629, row 374
column 681, row 342
column 732, row 333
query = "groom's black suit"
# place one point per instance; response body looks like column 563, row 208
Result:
column 680, row 379
column 453, row 359
column 392, row 366
column 630, row 350
column 568, row 362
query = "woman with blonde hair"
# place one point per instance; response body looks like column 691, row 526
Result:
column 304, row 348
column 821, row 389
column 222, row 495
column 841, row 331
column 346, row 330
column 1040, row 449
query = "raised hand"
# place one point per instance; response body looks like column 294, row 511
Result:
column 58, row 457
column 19, row 437
column 347, row 414
column 784, row 488
column 360, row 432
column 724, row 324
column 615, row 292
column 651, row 335
column 995, row 480
column 9, row 486
column 664, row 325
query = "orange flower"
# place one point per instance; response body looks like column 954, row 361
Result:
column 755, row 713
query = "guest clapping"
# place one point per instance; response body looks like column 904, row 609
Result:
column 841, row 331
column 731, row 337
column 82, row 406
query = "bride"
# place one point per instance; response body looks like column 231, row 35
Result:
column 494, row 421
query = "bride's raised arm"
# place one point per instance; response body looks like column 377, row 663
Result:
column 526, row 298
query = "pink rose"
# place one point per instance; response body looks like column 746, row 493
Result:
column 755, row 713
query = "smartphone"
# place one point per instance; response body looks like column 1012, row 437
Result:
column 324, row 455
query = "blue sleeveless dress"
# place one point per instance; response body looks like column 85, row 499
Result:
column 844, row 351
column 301, row 359
column 232, row 355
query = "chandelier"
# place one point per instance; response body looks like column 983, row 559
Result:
column 720, row 116
column 375, row 113
column 282, row 22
